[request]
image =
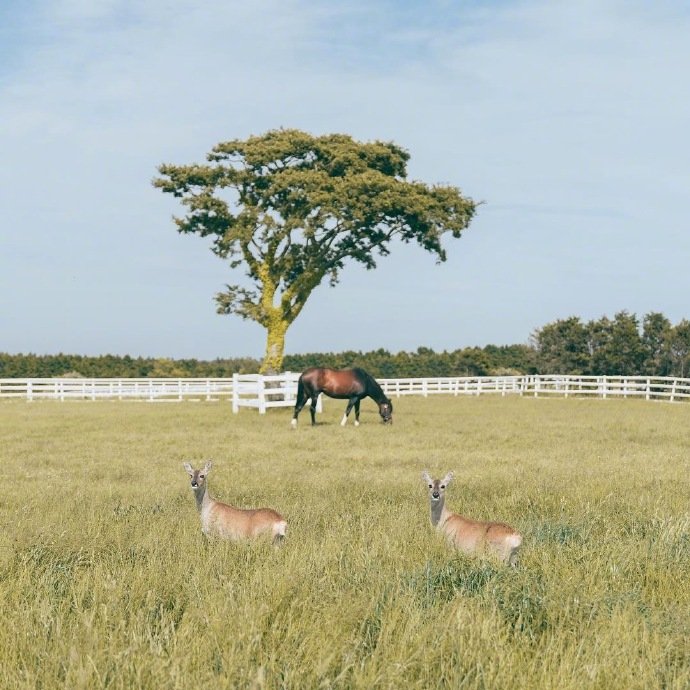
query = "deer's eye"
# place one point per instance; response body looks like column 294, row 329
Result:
column 443, row 486
column 202, row 476
column 431, row 486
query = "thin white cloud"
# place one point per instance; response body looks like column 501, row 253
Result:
column 568, row 119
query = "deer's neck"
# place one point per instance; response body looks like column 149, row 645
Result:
column 438, row 512
column 202, row 497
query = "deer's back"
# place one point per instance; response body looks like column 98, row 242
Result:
column 236, row 523
column 473, row 535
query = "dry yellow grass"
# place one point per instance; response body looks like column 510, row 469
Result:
column 107, row 581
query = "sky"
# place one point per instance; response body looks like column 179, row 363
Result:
column 568, row 121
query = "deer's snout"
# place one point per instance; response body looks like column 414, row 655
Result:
column 435, row 495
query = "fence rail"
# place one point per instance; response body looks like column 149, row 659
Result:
column 647, row 387
column 117, row 389
column 264, row 392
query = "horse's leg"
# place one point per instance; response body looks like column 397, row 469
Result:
column 357, row 411
column 312, row 407
column 302, row 397
column 350, row 405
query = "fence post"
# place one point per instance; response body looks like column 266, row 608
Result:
column 673, row 389
column 235, row 394
column 648, row 393
column 286, row 378
column 29, row 390
column 262, row 394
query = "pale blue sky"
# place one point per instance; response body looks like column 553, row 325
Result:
column 569, row 120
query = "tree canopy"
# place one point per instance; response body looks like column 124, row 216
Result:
column 292, row 209
column 614, row 347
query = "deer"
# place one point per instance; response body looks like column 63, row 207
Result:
column 228, row 522
column 470, row 536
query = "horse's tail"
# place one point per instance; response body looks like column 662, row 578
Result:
column 300, row 390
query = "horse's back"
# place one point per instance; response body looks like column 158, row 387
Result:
column 311, row 376
column 335, row 382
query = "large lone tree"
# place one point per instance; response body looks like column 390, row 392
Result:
column 292, row 208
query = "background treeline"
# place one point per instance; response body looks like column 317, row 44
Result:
column 424, row 362
column 619, row 346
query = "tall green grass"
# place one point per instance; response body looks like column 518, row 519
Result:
column 106, row 580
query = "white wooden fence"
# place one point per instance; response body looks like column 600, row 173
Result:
column 117, row 389
column 647, row 387
column 263, row 392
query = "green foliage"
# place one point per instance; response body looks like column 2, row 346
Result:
column 107, row 582
column 293, row 208
column 617, row 346
column 679, row 347
column 567, row 346
column 657, row 332
column 113, row 366
column 614, row 347
column 471, row 361
column 563, row 347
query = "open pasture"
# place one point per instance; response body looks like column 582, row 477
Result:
column 106, row 580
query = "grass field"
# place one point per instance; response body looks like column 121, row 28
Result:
column 107, row 581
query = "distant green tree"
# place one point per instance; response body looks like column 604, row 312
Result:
column 167, row 368
column 293, row 208
column 509, row 359
column 562, row 347
column 616, row 345
column 471, row 361
column 656, row 341
column 679, row 346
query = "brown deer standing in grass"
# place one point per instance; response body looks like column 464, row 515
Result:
column 232, row 523
column 470, row 536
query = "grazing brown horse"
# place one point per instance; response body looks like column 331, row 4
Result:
column 350, row 384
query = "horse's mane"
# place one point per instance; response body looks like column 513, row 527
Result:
column 371, row 381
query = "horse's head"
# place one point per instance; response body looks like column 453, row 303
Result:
column 386, row 411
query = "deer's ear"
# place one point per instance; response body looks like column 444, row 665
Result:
column 426, row 478
column 208, row 466
column 189, row 468
column 447, row 479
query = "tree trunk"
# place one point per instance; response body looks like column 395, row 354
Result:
column 275, row 347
